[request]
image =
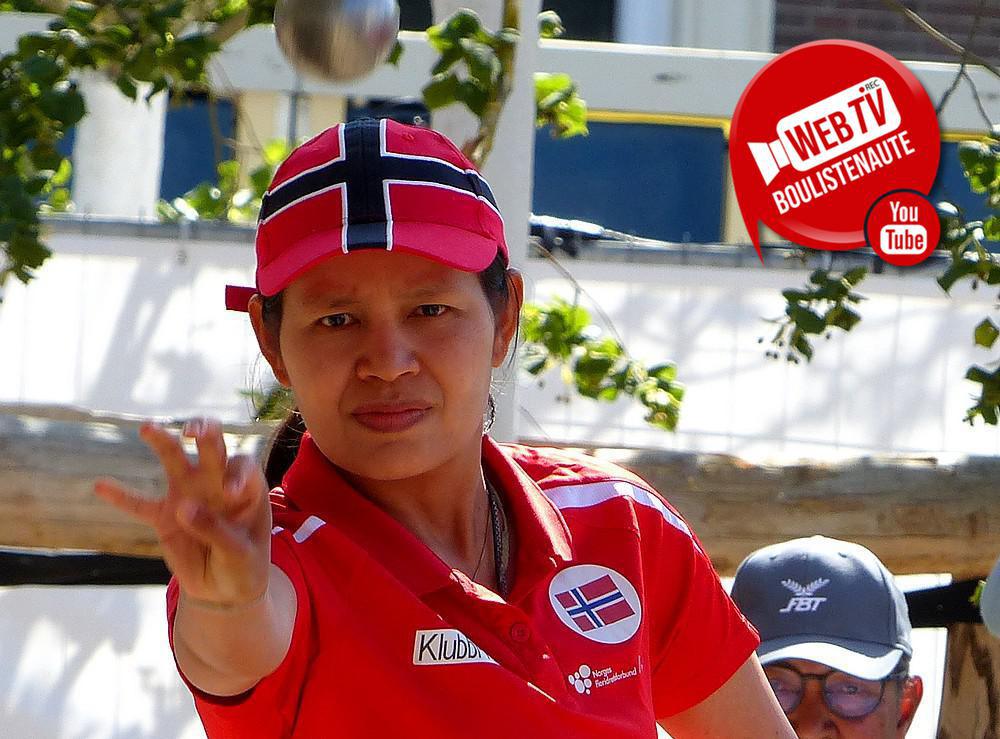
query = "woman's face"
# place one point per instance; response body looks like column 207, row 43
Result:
column 389, row 356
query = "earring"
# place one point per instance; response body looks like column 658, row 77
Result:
column 491, row 412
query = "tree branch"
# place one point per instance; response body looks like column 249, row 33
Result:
column 944, row 40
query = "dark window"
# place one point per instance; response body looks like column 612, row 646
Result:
column 415, row 15
column 591, row 20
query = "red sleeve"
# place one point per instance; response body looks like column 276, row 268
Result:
column 700, row 638
column 270, row 708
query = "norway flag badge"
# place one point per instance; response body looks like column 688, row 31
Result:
column 596, row 602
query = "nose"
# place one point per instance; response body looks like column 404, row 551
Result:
column 386, row 353
column 812, row 719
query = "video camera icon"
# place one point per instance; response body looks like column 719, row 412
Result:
column 830, row 128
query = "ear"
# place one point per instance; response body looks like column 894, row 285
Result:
column 507, row 328
column 267, row 340
column 909, row 701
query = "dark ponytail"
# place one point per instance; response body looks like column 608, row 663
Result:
column 284, row 445
column 282, row 448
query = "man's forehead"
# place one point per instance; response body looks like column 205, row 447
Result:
column 807, row 666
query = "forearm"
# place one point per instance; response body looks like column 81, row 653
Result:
column 225, row 652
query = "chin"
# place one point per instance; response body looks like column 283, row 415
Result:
column 389, row 458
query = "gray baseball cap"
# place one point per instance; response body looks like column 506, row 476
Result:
column 824, row 600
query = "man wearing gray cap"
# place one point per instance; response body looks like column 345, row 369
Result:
column 835, row 638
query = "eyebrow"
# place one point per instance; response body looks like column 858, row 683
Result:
column 349, row 299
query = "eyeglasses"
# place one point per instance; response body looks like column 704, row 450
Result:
column 845, row 695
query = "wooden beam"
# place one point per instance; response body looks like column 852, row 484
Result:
column 917, row 515
column 970, row 700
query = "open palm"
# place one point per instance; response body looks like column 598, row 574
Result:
column 214, row 523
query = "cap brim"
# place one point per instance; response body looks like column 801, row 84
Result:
column 866, row 660
column 450, row 246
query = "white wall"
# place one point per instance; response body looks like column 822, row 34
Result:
column 892, row 385
column 90, row 663
column 94, row 663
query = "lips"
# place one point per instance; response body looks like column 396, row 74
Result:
column 390, row 417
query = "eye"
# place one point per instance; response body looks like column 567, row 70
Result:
column 432, row 310
column 335, row 320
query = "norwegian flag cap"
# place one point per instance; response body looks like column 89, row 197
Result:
column 373, row 184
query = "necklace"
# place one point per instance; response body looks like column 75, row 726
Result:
column 501, row 544
column 486, row 535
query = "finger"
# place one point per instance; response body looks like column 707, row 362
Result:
column 128, row 501
column 168, row 450
column 239, row 482
column 207, row 434
column 212, row 530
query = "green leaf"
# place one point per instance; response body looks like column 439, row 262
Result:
column 854, row 276
column 229, row 175
column 63, row 104
column 842, row 317
column 62, row 174
column 34, row 43
column 569, row 117
column 484, row 66
column 991, row 228
column 981, row 164
column 46, row 157
column 796, row 296
column 275, row 152
column 442, row 90
column 958, row 269
column 118, row 34
column 665, row 373
column 260, row 178
column 463, row 23
column 802, row 345
column 550, row 25
column 473, row 95
column 447, row 60
column 143, row 65
column 127, row 86
column 396, row 54
column 986, row 333
column 41, row 69
column 819, row 277
column 550, row 88
column 79, row 15
column 978, row 374
column 807, row 320
column 59, row 201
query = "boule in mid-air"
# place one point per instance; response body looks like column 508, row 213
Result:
column 337, row 40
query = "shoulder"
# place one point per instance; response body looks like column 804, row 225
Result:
column 575, row 481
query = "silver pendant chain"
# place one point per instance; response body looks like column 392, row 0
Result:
column 501, row 542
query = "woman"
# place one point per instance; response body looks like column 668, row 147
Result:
column 409, row 576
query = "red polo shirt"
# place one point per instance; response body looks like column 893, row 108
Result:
column 615, row 616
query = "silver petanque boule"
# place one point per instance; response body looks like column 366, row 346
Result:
column 337, row 40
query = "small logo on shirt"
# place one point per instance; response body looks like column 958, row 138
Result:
column 446, row 647
column 586, row 679
column 596, row 602
column 803, row 600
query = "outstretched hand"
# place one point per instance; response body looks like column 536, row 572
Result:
column 214, row 523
